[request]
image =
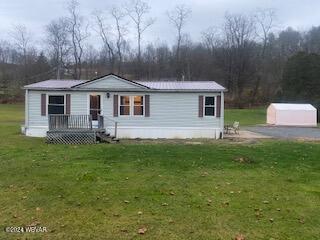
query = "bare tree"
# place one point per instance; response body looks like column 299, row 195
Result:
column 210, row 38
column 121, row 30
column 59, row 44
column 104, row 31
column 239, row 35
column 5, row 52
column 178, row 17
column 22, row 39
column 137, row 11
column 265, row 22
column 78, row 31
column 90, row 62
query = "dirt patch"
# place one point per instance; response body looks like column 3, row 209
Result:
column 247, row 135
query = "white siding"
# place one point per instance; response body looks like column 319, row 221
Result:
column 34, row 108
column 110, row 82
column 168, row 111
column 78, row 106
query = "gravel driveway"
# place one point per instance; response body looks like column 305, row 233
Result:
column 287, row 132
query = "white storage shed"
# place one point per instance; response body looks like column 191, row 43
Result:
column 292, row 114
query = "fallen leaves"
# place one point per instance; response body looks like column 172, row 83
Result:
column 226, row 203
column 142, row 230
column 258, row 212
column 239, row 237
column 204, row 174
column 34, row 224
column 242, row 160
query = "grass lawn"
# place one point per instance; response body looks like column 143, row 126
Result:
column 246, row 117
column 216, row 190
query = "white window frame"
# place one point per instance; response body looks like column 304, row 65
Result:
column 131, row 105
column 55, row 95
column 143, row 105
column 215, row 107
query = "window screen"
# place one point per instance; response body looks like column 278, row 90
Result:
column 124, row 105
column 56, row 105
column 138, row 105
column 209, row 106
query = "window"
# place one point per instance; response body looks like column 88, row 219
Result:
column 56, row 105
column 131, row 105
column 124, row 105
column 138, row 105
column 209, row 107
column 95, row 106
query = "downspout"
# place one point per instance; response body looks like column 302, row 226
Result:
column 26, row 109
column 222, row 115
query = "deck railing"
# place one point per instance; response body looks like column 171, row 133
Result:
column 109, row 126
column 77, row 122
column 65, row 122
column 100, row 122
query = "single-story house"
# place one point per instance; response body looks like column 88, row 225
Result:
column 287, row 114
column 141, row 109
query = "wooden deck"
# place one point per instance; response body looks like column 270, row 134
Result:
column 76, row 129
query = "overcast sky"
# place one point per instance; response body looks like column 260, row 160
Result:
column 35, row 14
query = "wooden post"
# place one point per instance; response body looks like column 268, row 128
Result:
column 90, row 121
column 49, row 122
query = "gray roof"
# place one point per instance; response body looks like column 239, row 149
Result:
column 55, row 84
column 182, row 85
column 153, row 85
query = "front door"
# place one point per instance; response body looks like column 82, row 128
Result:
column 95, row 108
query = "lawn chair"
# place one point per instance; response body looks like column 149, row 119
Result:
column 235, row 127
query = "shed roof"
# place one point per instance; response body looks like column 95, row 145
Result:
column 293, row 106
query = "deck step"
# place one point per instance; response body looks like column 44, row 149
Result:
column 106, row 137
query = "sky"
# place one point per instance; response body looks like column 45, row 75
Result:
column 36, row 14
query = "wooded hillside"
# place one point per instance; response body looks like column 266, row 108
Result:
column 248, row 54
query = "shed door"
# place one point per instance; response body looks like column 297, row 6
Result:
column 95, row 106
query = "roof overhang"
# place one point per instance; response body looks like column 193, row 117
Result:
column 136, row 87
column 126, row 90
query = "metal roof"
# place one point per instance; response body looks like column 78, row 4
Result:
column 153, row 85
column 182, row 85
column 55, row 84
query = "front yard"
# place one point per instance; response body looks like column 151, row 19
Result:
column 169, row 190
